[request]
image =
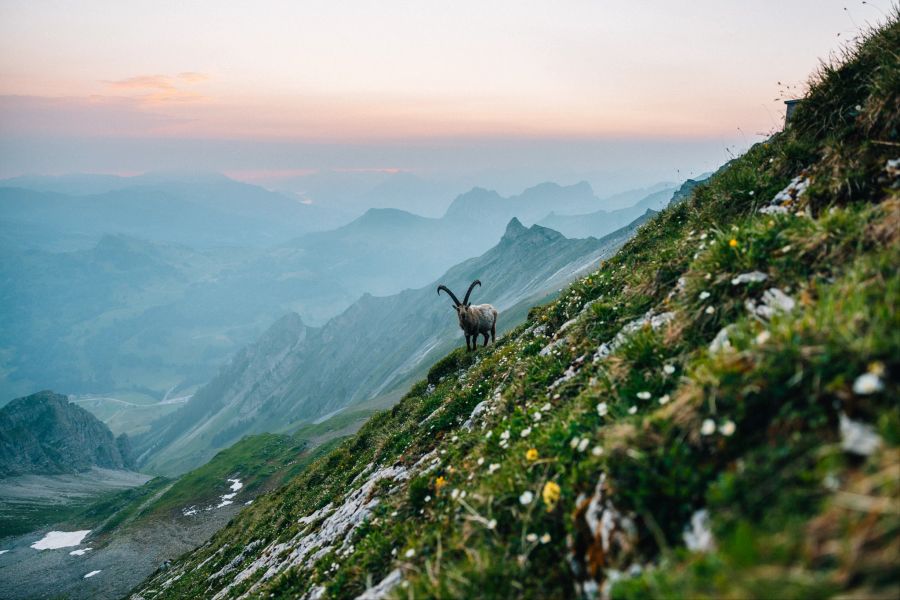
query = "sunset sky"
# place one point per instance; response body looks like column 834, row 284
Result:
column 287, row 87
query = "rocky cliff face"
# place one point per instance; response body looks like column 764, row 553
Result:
column 44, row 433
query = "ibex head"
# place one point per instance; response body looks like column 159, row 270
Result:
column 459, row 307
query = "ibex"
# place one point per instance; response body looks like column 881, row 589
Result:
column 473, row 320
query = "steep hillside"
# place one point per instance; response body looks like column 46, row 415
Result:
column 712, row 413
column 45, row 433
column 296, row 373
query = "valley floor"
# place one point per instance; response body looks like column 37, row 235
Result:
column 123, row 563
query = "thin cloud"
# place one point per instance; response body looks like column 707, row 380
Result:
column 29, row 116
column 158, row 90
column 193, row 77
column 143, row 82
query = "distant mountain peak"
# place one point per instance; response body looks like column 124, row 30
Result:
column 514, row 229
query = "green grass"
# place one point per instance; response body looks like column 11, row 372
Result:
column 663, row 426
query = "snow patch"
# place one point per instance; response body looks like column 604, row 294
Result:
column 235, row 486
column 91, row 574
column 60, row 539
column 80, row 552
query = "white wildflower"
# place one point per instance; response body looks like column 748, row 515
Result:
column 710, row 310
column 526, row 497
column 762, row 337
column 573, row 443
column 597, row 450
column 632, row 410
column 668, row 369
column 545, row 539
column 505, row 435
column 664, row 399
column 410, row 553
column 583, row 444
column 546, row 407
column 537, row 416
column 602, row 409
column 698, row 535
column 526, row 432
column 644, row 395
column 492, row 524
column 708, row 427
column 531, row 538
column 857, row 437
column 704, row 295
column 480, row 461
column 493, row 467
column 868, row 383
column 727, row 428
column 455, row 493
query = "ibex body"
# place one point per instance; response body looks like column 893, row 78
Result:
column 480, row 319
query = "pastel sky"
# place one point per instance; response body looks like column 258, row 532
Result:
column 137, row 85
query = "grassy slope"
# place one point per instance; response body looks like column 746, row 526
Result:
column 792, row 514
column 263, row 462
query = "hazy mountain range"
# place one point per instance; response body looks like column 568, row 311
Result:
column 126, row 312
column 203, row 210
column 295, row 373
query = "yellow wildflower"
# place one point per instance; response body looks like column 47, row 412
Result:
column 733, row 243
column 532, row 454
column 551, row 495
column 876, row 368
column 440, row 482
